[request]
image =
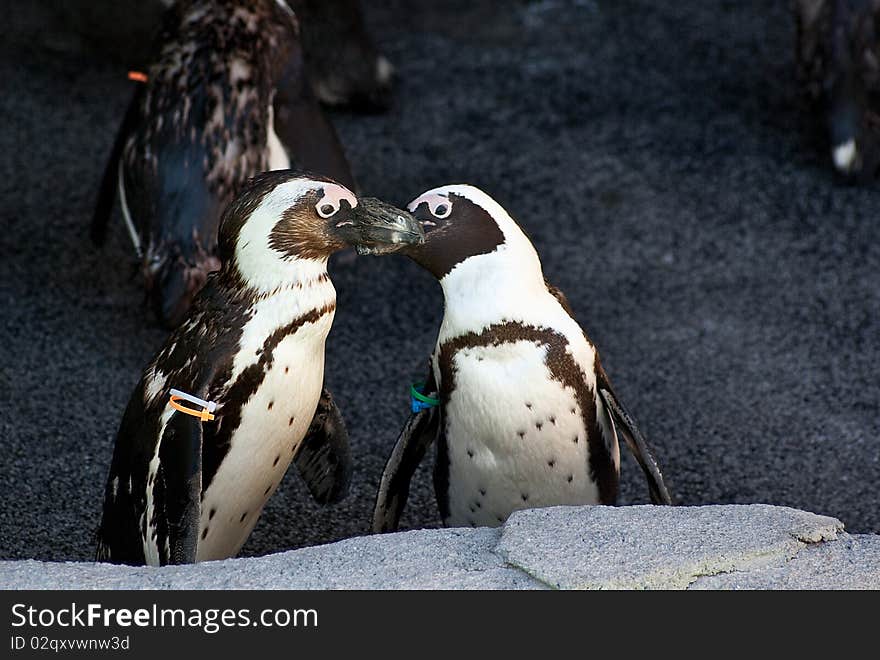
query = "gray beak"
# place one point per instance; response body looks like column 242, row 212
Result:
column 382, row 228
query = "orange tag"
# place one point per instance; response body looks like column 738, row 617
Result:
column 204, row 414
column 137, row 76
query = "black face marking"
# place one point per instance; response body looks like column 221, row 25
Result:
column 290, row 422
column 204, row 533
column 570, row 478
column 303, row 233
column 243, row 516
column 268, row 488
column 269, row 407
column 562, row 368
column 212, row 514
column 467, row 231
column 275, row 462
column 539, row 425
column 551, row 463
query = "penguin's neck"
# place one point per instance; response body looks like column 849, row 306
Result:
column 282, row 290
column 304, row 302
column 488, row 289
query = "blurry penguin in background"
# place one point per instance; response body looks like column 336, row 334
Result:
column 226, row 97
column 838, row 60
column 344, row 64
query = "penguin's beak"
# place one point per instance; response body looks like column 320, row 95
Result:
column 380, row 228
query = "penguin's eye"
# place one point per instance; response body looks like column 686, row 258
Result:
column 442, row 210
column 327, row 209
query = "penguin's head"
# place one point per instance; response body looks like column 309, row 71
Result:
column 345, row 67
column 464, row 224
column 284, row 219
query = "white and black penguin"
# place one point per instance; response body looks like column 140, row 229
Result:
column 527, row 416
column 838, row 66
column 226, row 97
column 181, row 489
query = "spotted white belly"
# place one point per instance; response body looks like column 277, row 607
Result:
column 515, row 436
column 273, row 423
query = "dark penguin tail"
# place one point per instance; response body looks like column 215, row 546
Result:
column 107, row 191
column 175, row 286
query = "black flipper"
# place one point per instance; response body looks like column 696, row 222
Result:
column 636, row 442
column 324, row 457
column 623, row 421
column 419, row 432
column 180, row 458
column 109, row 182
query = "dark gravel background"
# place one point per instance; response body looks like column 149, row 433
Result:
column 654, row 151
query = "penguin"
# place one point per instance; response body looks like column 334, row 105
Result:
column 226, row 97
column 838, row 68
column 522, row 413
column 190, row 486
column 345, row 65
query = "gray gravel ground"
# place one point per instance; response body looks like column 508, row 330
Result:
column 654, row 152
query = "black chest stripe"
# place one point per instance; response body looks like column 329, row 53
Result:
column 218, row 437
column 563, row 369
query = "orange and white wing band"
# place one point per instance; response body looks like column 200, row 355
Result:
column 205, row 414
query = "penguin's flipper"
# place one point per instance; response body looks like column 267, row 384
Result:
column 324, row 457
column 109, row 181
column 419, row 433
column 636, row 442
column 180, row 460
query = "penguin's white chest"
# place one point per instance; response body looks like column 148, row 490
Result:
column 273, row 423
column 515, row 436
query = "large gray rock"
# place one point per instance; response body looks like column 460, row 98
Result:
column 424, row 559
column 641, row 547
column 652, row 547
column 851, row 562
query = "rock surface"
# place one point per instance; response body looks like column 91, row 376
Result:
column 641, row 547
